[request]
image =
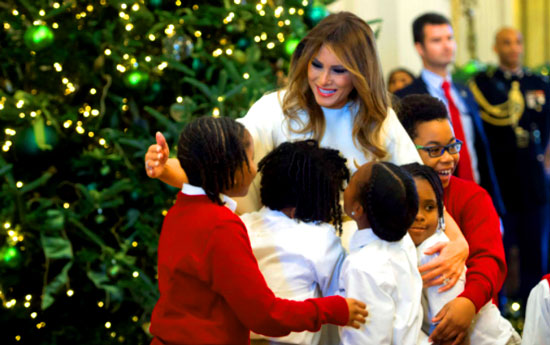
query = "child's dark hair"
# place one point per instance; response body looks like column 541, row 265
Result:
column 427, row 173
column 400, row 69
column 307, row 177
column 415, row 109
column 210, row 151
column 390, row 200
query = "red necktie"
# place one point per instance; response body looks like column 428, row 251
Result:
column 464, row 169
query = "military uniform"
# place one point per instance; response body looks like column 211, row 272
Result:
column 515, row 109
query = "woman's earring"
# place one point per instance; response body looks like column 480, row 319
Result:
column 353, row 213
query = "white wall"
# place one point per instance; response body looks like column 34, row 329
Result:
column 395, row 42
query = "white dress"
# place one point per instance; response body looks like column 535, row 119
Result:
column 267, row 125
column 385, row 276
column 488, row 326
column 292, row 269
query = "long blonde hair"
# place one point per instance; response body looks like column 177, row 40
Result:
column 351, row 39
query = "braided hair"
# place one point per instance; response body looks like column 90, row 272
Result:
column 390, row 200
column 210, row 151
column 427, row 173
column 307, row 177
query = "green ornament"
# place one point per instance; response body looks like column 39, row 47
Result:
column 290, row 45
column 113, row 271
column 136, row 79
column 36, row 140
column 244, row 42
column 469, row 70
column 197, row 65
column 316, row 13
column 38, row 37
column 155, row 3
column 10, row 256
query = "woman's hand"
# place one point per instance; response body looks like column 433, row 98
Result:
column 156, row 157
column 158, row 165
column 454, row 320
column 449, row 265
column 357, row 312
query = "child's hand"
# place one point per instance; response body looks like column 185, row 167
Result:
column 156, row 157
column 454, row 320
column 357, row 312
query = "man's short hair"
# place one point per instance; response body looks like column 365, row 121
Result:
column 423, row 20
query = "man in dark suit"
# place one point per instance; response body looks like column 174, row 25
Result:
column 434, row 42
column 515, row 109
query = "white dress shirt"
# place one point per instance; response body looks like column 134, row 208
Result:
column 298, row 260
column 433, row 84
column 488, row 326
column 536, row 329
column 385, row 276
column 268, row 127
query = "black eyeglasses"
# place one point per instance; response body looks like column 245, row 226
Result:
column 438, row 150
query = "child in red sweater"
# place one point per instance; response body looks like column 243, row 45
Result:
column 425, row 119
column 211, row 289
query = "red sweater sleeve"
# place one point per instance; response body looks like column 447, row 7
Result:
column 486, row 264
column 236, row 276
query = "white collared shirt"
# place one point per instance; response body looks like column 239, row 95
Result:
column 433, row 84
column 298, row 260
column 385, row 276
column 488, row 326
column 189, row 189
column 537, row 316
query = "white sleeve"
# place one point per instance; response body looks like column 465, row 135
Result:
column 436, row 299
column 399, row 145
column 262, row 123
column 376, row 292
column 537, row 317
column 329, row 262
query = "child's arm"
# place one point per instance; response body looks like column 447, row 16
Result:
column 450, row 263
column 158, row 165
column 377, row 294
column 235, row 275
column 329, row 261
column 537, row 316
column 454, row 320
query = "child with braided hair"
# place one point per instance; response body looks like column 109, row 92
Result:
column 300, row 187
column 381, row 268
column 211, row 289
column 488, row 326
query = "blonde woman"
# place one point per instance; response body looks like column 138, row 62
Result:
column 335, row 94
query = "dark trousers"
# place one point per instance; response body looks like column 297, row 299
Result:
column 529, row 231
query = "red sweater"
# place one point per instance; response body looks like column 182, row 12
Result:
column 473, row 210
column 211, row 289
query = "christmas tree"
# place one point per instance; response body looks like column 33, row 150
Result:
column 84, row 85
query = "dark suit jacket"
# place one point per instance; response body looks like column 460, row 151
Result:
column 484, row 160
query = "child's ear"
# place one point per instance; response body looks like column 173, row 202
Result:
column 357, row 211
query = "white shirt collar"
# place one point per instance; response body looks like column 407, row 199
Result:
column 194, row 190
column 361, row 238
column 433, row 79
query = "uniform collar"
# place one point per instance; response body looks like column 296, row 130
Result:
column 195, row 190
column 518, row 72
column 361, row 238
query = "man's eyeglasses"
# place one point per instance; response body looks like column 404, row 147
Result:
column 438, row 150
